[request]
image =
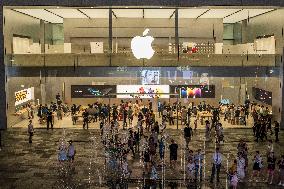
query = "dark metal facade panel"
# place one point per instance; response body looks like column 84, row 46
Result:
column 172, row 3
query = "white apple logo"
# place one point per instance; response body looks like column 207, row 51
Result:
column 142, row 46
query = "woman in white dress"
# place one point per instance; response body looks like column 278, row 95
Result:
column 241, row 163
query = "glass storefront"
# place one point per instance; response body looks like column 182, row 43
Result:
column 235, row 53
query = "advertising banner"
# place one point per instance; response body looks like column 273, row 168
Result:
column 24, row 95
column 193, row 91
column 93, row 91
column 143, row 91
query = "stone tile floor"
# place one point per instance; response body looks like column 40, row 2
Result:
column 24, row 165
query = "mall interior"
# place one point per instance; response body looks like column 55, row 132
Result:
column 236, row 52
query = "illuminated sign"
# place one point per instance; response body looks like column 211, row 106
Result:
column 142, row 91
column 24, row 95
column 142, row 46
column 194, row 91
column 92, row 91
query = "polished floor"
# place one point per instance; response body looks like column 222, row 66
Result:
column 24, row 165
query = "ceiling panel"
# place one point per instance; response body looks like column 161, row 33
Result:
column 41, row 14
column 96, row 13
column 190, row 13
column 158, row 13
column 244, row 14
column 128, row 13
column 219, row 13
column 68, row 13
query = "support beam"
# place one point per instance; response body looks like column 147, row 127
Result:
column 84, row 13
column 202, row 13
column 114, row 14
column 172, row 14
column 110, row 34
column 176, row 33
column 53, row 13
column 3, row 104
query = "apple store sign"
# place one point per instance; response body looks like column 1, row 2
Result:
column 141, row 46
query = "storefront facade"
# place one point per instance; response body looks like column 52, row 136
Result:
column 69, row 46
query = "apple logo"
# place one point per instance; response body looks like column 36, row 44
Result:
column 142, row 46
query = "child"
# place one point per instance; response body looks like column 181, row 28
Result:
column 234, row 180
column 190, row 170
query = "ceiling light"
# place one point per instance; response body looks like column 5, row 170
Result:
column 92, row 7
column 161, row 7
column 58, row 7
column 126, row 7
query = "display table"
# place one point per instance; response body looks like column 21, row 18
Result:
column 22, row 113
column 202, row 115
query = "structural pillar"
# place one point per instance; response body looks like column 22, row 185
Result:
column 3, row 103
column 176, row 33
column 110, row 34
column 281, row 91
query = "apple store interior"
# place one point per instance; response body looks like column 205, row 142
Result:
column 213, row 55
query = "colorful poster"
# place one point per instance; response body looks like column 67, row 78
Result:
column 193, row 91
column 143, row 91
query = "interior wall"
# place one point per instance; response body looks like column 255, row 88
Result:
column 19, row 24
column 271, row 23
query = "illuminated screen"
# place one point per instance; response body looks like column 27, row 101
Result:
column 24, row 95
column 92, row 91
column 150, row 77
column 262, row 95
column 225, row 101
column 143, row 91
column 194, row 91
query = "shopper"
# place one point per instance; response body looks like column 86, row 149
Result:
column 71, row 152
column 49, row 119
column 187, row 134
column 241, row 163
column 173, row 153
column 234, row 180
column 198, row 161
column 281, row 170
column 257, row 166
column 276, row 130
column 162, row 149
column 30, row 131
column 217, row 160
column 85, row 119
column 271, row 160
column 190, row 169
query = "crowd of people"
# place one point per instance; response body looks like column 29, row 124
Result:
column 148, row 139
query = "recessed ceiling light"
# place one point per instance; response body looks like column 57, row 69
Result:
column 92, row 7
column 161, row 7
column 57, row 7
column 126, row 7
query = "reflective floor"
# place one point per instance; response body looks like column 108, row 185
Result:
column 24, row 165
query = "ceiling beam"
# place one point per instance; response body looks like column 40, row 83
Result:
column 53, row 13
column 30, row 15
column 233, row 13
column 258, row 15
column 173, row 14
column 114, row 14
column 203, row 13
column 84, row 13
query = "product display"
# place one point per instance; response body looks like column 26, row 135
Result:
column 262, row 95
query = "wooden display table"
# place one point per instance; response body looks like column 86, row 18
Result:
column 202, row 115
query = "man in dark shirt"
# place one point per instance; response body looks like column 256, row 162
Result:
column 276, row 130
column 49, row 119
column 187, row 134
column 85, row 119
column 173, row 153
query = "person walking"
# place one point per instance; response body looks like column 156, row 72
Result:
column 281, row 170
column 217, row 160
column 198, row 161
column 71, row 152
column 187, row 134
column 162, row 148
column 173, row 153
column 276, row 130
column 31, row 131
column 49, row 120
column 85, row 119
column 271, row 161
